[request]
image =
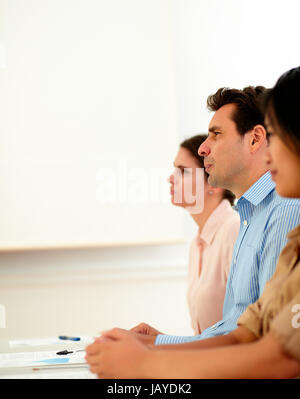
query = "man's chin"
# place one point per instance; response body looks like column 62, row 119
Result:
column 212, row 181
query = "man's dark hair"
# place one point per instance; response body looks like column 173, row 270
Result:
column 192, row 145
column 248, row 111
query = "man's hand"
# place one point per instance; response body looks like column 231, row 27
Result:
column 145, row 329
column 117, row 354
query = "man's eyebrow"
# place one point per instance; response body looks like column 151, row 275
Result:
column 214, row 128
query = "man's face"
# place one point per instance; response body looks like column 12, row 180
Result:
column 224, row 150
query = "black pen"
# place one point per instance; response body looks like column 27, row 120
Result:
column 66, row 352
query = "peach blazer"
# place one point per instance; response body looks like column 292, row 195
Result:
column 209, row 263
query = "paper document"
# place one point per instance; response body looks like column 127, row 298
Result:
column 40, row 359
column 62, row 374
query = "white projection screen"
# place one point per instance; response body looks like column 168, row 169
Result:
column 88, row 123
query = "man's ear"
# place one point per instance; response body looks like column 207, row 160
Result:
column 257, row 138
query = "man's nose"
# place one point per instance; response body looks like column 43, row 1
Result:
column 203, row 150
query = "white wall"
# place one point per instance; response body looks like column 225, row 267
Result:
column 88, row 123
column 85, row 291
column 116, row 56
column 233, row 43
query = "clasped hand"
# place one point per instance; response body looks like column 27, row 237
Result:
column 120, row 353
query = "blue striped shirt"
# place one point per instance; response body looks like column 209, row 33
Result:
column 265, row 220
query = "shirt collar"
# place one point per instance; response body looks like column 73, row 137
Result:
column 260, row 189
column 213, row 222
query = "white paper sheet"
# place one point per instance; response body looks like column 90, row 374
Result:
column 63, row 374
column 40, row 359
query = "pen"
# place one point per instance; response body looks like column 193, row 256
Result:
column 66, row 352
column 54, row 367
column 65, row 337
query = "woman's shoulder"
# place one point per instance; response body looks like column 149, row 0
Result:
column 230, row 217
column 230, row 223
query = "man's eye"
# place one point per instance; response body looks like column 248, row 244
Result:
column 216, row 133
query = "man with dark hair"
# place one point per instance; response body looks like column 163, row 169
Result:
column 238, row 112
column 234, row 157
column 248, row 111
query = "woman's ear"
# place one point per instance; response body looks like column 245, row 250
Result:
column 213, row 190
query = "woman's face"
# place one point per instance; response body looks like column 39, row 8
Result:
column 187, row 182
column 284, row 164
